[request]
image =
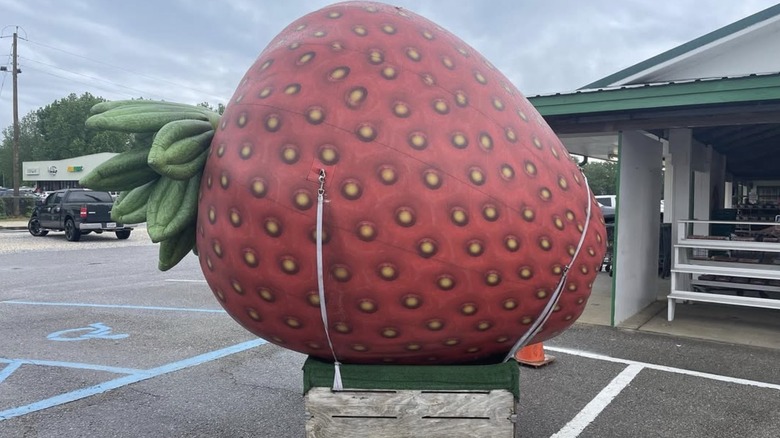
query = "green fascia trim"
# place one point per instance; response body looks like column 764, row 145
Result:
column 700, row 92
column 687, row 47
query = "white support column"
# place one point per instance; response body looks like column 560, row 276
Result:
column 701, row 200
column 701, row 164
column 680, row 146
column 668, row 172
column 718, row 181
column 681, row 149
column 728, row 189
column 638, row 224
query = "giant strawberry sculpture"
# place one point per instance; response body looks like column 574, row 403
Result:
column 375, row 192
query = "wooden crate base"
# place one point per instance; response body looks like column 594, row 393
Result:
column 410, row 413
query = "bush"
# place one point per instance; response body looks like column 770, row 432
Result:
column 26, row 206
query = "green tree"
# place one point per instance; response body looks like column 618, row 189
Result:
column 219, row 110
column 61, row 124
column 57, row 131
column 602, row 176
column 29, row 140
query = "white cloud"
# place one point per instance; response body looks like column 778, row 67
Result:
column 196, row 50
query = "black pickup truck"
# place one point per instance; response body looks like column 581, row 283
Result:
column 77, row 212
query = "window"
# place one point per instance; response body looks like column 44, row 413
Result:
column 89, row 197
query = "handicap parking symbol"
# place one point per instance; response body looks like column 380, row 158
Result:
column 97, row 330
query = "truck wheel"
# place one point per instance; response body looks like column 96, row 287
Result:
column 34, row 227
column 122, row 234
column 72, row 233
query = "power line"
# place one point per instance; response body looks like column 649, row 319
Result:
column 7, row 63
column 2, row 84
column 92, row 77
column 80, row 82
column 121, row 68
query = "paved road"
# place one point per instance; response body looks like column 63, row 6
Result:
column 14, row 238
column 95, row 342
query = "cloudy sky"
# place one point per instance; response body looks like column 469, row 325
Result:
column 197, row 50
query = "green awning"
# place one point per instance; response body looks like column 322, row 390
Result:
column 753, row 88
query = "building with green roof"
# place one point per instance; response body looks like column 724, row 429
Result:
column 699, row 127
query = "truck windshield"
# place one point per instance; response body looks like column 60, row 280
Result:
column 87, row 197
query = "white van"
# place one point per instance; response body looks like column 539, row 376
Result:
column 607, row 200
column 611, row 201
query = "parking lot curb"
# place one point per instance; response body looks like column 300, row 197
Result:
column 13, row 225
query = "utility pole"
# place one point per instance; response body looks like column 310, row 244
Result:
column 17, row 213
column 15, row 159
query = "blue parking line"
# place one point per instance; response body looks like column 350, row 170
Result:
column 9, row 369
column 127, row 380
column 112, row 306
column 75, row 365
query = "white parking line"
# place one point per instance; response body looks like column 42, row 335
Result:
column 113, row 306
column 667, row 369
column 588, row 414
column 592, row 410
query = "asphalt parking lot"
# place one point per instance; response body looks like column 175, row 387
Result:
column 95, row 342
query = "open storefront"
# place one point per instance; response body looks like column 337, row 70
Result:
column 699, row 127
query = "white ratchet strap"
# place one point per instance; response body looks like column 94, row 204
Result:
column 337, row 385
column 536, row 327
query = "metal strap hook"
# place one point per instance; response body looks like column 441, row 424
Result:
column 321, row 179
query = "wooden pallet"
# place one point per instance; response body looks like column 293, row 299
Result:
column 410, row 413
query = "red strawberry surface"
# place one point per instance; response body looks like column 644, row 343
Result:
column 451, row 207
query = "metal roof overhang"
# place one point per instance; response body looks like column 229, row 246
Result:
column 738, row 116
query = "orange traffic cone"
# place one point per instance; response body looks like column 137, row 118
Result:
column 533, row 355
